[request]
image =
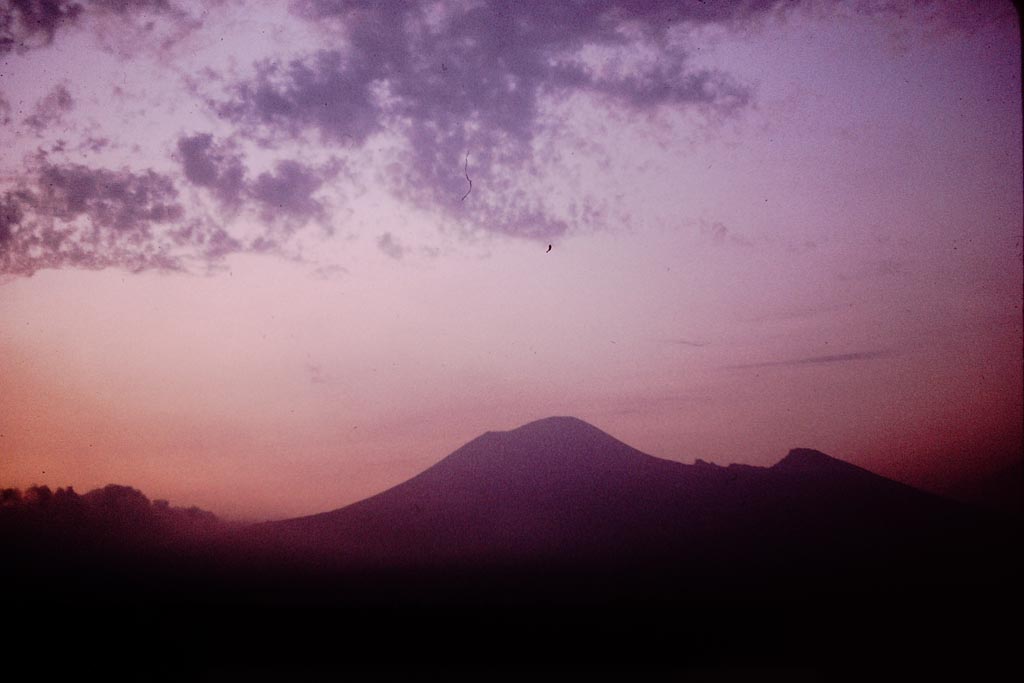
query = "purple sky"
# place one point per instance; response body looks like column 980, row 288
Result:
column 239, row 267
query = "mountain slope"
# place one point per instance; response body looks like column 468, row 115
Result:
column 560, row 492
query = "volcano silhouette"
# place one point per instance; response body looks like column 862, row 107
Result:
column 568, row 546
column 560, row 492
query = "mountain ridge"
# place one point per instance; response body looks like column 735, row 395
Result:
column 561, row 491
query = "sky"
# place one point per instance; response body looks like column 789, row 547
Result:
column 270, row 258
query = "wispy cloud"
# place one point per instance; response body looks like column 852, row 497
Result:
column 814, row 360
column 390, row 246
column 216, row 166
column 685, row 342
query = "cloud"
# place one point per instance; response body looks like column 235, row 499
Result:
column 212, row 166
column 457, row 80
column 814, row 360
column 50, row 109
column 458, row 91
column 87, row 217
column 283, row 195
column 31, row 24
column 390, row 246
column 5, row 111
column 685, row 342
column 94, row 218
column 25, row 24
column 287, row 191
column 12, row 214
column 72, row 215
column 124, row 201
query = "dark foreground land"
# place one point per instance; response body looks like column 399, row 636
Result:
column 548, row 552
column 164, row 626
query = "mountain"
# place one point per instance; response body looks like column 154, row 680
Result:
column 551, row 547
column 560, row 495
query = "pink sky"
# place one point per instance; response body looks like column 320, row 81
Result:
column 236, row 270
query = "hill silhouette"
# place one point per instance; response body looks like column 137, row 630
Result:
column 114, row 516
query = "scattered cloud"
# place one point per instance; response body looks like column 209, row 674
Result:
column 458, row 91
column 72, row 215
column 25, row 24
column 814, row 360
column 458, row 80
column 214, row 166
column 93, row 218
column 121, row 200
column 87, row 217
column 288, row 191
column 282, row 195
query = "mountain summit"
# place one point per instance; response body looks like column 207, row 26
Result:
column 552, row 447
column 810, row 460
